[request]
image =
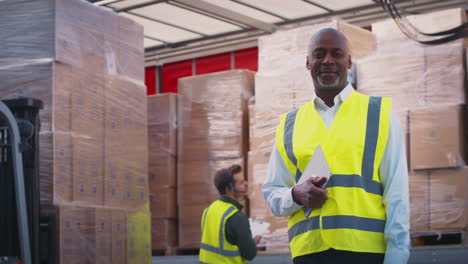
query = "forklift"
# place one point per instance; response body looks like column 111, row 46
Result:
column 21, row 224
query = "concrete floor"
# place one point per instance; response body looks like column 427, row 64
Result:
column 433, row 255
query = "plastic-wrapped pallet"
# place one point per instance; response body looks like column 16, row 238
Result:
column 427, row 85
column 212, row 134
column 86, row 64
column 162, row 134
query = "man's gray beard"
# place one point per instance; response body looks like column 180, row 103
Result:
column 333, row 85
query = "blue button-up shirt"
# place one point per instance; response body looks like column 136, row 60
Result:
column 277, row 188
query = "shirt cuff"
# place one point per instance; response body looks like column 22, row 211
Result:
column 288, row 204
column 395, row 255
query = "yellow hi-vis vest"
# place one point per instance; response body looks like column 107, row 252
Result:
column 214, row 246
column 353, row 217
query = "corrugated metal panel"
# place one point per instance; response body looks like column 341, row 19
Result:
column 150, row 80
column 186, row 19
column 336, row 5
column 214, row 63
column 246, row 59
column 290, row 9
column 246, row 10
column 162, row 31
column 171, row 73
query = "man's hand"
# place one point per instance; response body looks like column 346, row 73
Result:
column 257, row 239
column 308, row 194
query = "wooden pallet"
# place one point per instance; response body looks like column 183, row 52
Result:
column 262, row 250
column 171, row 251
column 437, row 239
column 175, row 251
column 267, row 252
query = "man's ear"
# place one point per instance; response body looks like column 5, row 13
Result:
column 350, row 62
column 307, row 63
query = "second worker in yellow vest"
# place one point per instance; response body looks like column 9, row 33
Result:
column 348, row 222
column 226, row 235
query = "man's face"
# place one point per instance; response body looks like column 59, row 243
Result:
column 328, row 61
column 240, row 184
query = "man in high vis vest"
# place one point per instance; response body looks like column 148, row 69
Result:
column 362, row 213
column 226, row 235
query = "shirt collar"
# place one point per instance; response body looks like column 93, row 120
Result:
column 231, row 201
column 339, row 98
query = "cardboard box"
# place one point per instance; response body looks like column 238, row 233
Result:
column 399, row 83
column 419, row 201
column 126, row 122
column 193, row 194
column 437, row 137
column 278, row 94
column 87, row 104
column 115, row 183
column 119, row 236
column 444, row 67
column 189, row 225
column 88, row 171
column 257, row 167
column 416, row 82
column 139, row 185
column 77, row 236
column 216, row 126
column 163, row 202
column 131, row 51
column 103, row 230
column 46, row 164
column 126, row 181
column 74, row 32
column 163, row 233
column 162, row 170
column 62, row 165
column 162, row 123
column 203, row 172
column 65, row 89
column 448, row 199
column 113, row 46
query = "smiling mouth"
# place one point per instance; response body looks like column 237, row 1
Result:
column 328, row 73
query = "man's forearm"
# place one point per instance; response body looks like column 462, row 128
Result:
column 394, row 176
column 277, row 187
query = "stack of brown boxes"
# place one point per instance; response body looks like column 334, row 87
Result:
column 213, row 134
column 282, row 84
column 86, row 65
column 162, row 133
column 427, row 85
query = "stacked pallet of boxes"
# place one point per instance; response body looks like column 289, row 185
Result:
column 212, row 134
column 427, row 84
column 162, row 134
column 86, row 65
column 282, row 84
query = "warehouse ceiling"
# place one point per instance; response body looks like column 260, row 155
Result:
column 183, row 29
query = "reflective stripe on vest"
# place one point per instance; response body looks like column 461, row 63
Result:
column 288, row 133
column 220, row 250
column 372, row 132
column 335, row 222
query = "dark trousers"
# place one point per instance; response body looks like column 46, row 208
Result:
column 333, row 256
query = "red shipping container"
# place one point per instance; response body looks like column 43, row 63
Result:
column 171, row 73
